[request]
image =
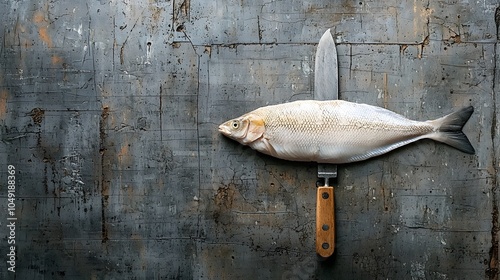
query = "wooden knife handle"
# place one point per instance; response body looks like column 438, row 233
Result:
column 325, row 221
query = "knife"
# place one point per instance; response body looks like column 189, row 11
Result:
column 325, row 88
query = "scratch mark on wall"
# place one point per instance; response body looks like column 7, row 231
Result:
column 104, row 182
column 122, row 49
column 259, row 29
column 161, row 113
column 386, row 91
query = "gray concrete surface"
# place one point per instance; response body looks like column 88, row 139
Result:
column 109, row 113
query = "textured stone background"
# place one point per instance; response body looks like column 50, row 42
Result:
column 109, row 110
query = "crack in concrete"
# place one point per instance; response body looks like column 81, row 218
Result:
column 493, row 269
column 122, row 48
column 104, row 182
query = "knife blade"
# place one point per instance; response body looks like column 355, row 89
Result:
column 326, row 74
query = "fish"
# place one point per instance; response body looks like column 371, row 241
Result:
column 337, row 131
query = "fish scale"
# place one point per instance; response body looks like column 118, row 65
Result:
column 305, row 128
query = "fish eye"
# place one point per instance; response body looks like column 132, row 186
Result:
column 235, row 124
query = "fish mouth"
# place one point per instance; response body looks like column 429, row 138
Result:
column 224, row 130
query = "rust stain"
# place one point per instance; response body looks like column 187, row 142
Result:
column 456, row 39
column 39, row 17
column 42, row 23
column 403, row 48
column 426, row 12
column 208, row 50
column 3, row 102
column 229, row 203
column 225, row 196
column 124, row 156
column 57, row 60
column 155, row 14
column 124, row 150
column 37, row 115
column 44, row 36
column 223, row 200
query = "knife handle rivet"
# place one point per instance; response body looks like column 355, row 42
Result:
column 325, row 195
column 325, row 245
column 325, row 227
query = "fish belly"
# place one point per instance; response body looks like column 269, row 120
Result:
column 336, row 131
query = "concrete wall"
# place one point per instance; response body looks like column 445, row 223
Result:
column 109, row 113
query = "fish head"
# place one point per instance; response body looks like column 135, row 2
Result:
column 245, row 129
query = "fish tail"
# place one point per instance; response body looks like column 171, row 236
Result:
column 449, row 130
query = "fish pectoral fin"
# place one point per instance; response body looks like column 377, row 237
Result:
column 264, row 146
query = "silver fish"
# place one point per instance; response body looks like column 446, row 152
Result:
column 339, row 131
